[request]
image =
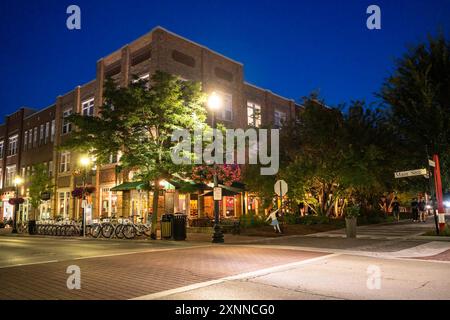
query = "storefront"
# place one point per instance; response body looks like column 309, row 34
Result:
column 7, row 209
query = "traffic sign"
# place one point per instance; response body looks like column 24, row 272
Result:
column 431, row 163
column 281, row 188
column 411, row 173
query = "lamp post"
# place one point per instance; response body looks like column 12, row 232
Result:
column 85, row 163
column 215, row 103
column 17, row 182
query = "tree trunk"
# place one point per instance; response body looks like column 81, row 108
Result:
column 155, row 208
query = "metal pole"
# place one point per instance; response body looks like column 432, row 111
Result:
column 218, row 235
column 16, row 208
column 431, row 186
column 83, row 205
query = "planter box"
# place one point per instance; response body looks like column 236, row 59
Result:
column 350, row 227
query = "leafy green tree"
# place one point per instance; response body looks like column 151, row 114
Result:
column 39, row 182
column 418, row 93
column 139, row 120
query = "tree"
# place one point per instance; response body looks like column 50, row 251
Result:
column 40, row 182
column 139, row 120
column 418, row 93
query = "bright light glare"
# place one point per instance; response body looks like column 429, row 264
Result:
column 85, row 161
column 447, row 204
column 214, row 101
column 18, row 181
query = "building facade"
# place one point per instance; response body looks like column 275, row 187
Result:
column 29, row 137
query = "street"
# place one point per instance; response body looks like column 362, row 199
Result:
column 318, row 266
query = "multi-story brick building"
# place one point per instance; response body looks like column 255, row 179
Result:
column 30, row 137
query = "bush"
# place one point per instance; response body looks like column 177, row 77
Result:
column 313, row 219
column 2, row 225
column 252, row 220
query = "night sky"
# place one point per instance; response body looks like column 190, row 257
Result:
column 290, row 47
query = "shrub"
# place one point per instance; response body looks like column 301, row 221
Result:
column 252, row 220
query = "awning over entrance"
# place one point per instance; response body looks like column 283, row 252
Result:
column 227, row 191
column 135, row 185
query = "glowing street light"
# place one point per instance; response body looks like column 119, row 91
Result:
column 18, row 181
column 214, row 104
column 85, row 161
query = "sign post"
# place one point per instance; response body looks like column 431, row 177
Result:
column 411, row 173
column 281, row 189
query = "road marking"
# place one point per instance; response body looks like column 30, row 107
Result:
column 105, row 256
column 246, row 275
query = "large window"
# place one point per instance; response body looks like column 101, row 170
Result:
column 52, row 131
column 41, row 135
column 65, row 162
column 279, row 118
column 227, row 107
column 253, row 114
column 47, row 132
column 12, row 147
column 64, row 204
column 1, row 149
column 25, row 140
column 35, row 135
column 10, row 175
column 1, row 178
column 30, row 138
column 67, row 126
column 87, row 107
column 50, row 168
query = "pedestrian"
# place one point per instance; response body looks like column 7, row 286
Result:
column 422, row 208
column 274, row 216
column 415, row 210
column 396, row 209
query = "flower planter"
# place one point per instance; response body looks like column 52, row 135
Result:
column 350, row 227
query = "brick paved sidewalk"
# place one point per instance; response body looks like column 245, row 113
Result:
column 134, row 275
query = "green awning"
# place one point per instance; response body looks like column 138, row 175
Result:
column 135, row 185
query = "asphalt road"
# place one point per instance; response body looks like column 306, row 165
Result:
column 325, row 267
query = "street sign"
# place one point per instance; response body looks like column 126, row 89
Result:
column 411, row 173
column 217, row 193
column 431, row 163
column 281, row 188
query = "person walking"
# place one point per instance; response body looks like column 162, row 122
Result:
column 396, row 209
column 274, row 216
column 422, row 208
column 415, row 210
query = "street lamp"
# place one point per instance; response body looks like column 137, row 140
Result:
column 85, row 162
column 214, row 104
column 18, row 181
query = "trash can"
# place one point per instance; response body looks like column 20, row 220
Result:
column 179, row 227
column 167, row 226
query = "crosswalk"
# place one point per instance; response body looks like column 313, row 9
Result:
column 398, row 230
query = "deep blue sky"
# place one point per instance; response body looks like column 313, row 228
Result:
column 290, row 47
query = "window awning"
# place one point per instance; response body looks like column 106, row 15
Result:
column 227, row 191
column 135, row 185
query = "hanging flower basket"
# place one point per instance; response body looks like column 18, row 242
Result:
column 14, row 201
column 78, row 192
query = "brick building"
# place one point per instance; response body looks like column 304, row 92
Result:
column 29, row 137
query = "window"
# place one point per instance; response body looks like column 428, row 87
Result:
column 87, row 107
column 253, row 114
column 227, row 107
column 30, row 138
column 25, row 140
column 12, row 148
column 67, row 126
column 1, row 149
column 50, row 168
column 35, row 135
column 223, row 74
column 24, row 172
column 278, row 118
column 41, row 135
column 183, row 58
column 52, row 131
column 47, row 132
column 1, row 178
column 64, row 204
column 65, row 162
column 10, row 175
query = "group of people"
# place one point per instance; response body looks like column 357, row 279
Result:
column 419, row 210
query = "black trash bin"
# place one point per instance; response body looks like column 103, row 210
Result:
column 32, row 229
column 179, row 227
column 167, row 226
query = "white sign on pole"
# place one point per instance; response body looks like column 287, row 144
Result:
column 431, row 163
column 281, row 188
column 411, row 173
column 217, row 193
